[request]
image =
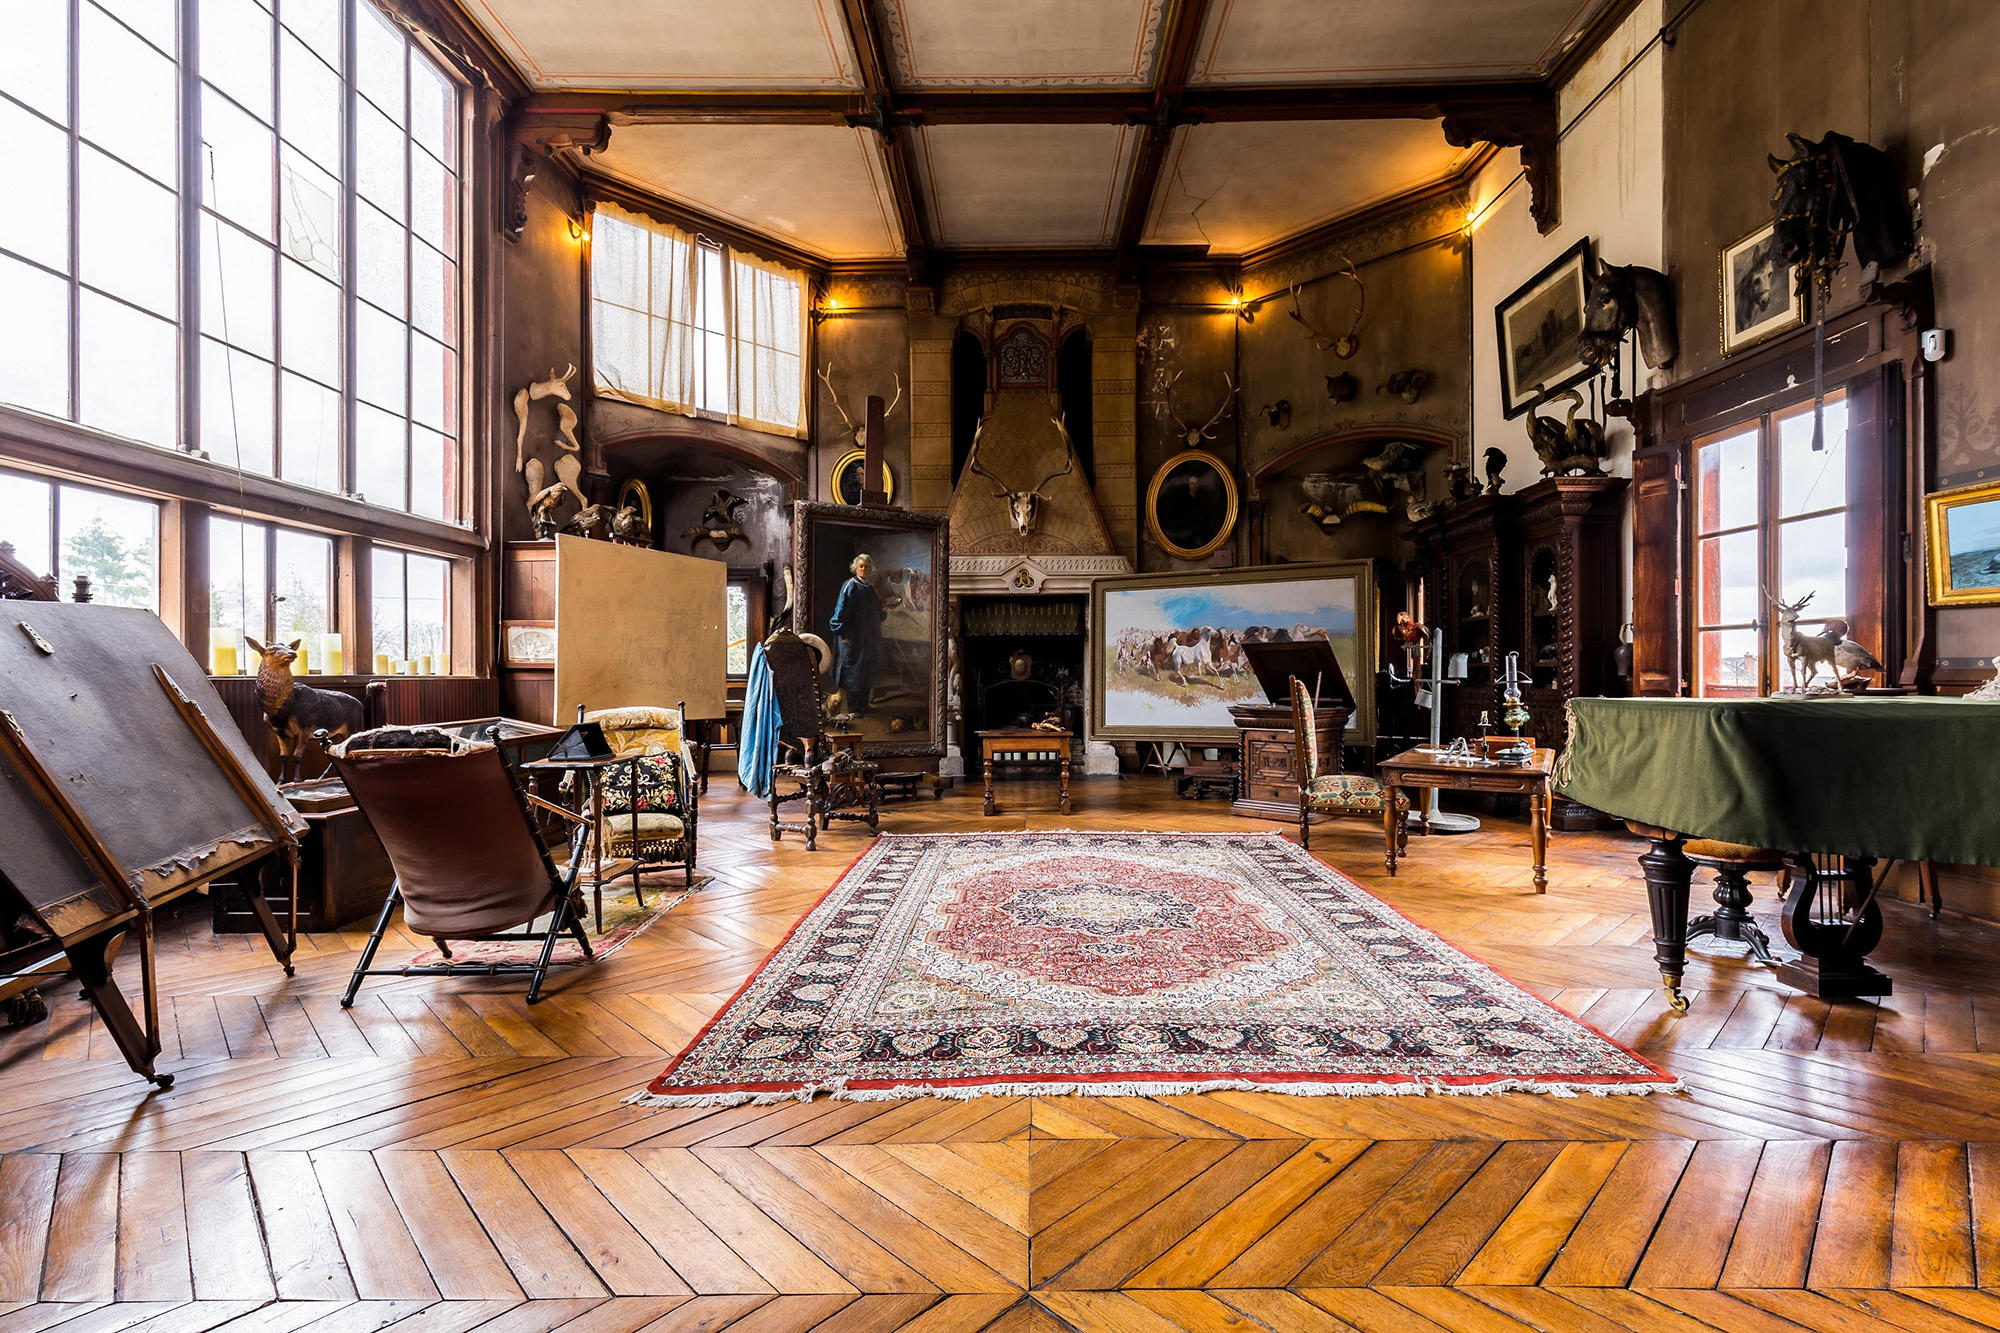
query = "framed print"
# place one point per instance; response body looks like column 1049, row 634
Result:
column 1538, row 327
column 1166, row 657
column 1759, row 299
column 1191, row 505
column 847, row 478
column 528, row 643
column 871, row 582
column 1962, row 540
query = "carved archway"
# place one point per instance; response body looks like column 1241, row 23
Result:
column 1358, row 438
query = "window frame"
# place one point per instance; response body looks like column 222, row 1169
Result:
column 1867, row 595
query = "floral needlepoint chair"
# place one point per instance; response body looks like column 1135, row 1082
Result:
column 1334, row 793
column 663, row 783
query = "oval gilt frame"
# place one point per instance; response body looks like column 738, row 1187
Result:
column 1222, row 534
column 854, row 458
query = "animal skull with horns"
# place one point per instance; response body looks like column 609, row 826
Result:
column 1024, row 508
column 858, row 434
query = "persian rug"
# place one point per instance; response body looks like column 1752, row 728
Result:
column 1125, row 964
column 624, row 921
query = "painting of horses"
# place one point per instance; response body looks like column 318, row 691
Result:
column 1757, row 294
column 1538, row 326
column 1166, row 651
column 1963, row 536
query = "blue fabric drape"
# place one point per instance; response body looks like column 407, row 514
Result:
column 757, row 749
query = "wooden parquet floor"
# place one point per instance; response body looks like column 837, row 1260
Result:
column 443, row 1157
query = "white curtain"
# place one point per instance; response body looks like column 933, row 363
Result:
column 642, row 311
column 769, row 336
column 680, row 325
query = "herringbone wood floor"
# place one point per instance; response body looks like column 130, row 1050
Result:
column 442, row 1157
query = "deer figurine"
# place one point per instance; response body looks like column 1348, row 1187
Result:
column 1814, row 650
column 1024, row 508
column 296, row 711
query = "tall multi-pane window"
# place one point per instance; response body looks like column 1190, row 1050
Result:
column 412, row 611
column 269, row 583
column 318, row 214
column 1771, row 518
column 681, row 323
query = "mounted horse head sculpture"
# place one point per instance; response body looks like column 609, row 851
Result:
column 1622, row 298
column 1833, row 189
column 1024, row 508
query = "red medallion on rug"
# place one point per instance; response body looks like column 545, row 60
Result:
column 1139, row 964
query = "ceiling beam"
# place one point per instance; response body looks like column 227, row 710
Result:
column 1170, row 87
column 1061, row 106
column 878, row 113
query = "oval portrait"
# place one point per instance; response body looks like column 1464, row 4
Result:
column 847, row 478
column 1191, row 505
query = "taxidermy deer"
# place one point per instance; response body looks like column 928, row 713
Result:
column 1815, row 650
column 1192, row 437
column 1024, row 508
column 1348, row 343
column 858, row 434
column 294, row 711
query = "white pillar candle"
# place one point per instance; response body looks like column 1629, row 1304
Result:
column 423, row 664
column 330, row 657
column 382, row 664
column 222, row 659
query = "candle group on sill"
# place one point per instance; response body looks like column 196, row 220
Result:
column 327, row 658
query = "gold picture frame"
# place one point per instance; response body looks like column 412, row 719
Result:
column 1963, row 565
column 1199, row 523
column 846, row 478
column 1747, row 259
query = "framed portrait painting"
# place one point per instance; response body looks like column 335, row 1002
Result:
column 1962, row 540
column 1759, row 298
column 1538, row 327
column 871, row 582
column 848, row 474
column 1191, row 504
column 1166, row 659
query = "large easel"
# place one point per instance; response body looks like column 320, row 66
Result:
column 118, row 795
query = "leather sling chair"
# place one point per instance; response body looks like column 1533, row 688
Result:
column 468, row 858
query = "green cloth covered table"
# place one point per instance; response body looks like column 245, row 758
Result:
column 1906, row 777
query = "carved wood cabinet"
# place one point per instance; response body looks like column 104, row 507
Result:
column 1267, row 778
column 1469, row 555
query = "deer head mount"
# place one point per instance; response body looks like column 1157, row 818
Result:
column 1342, row 345
column 858, row 434
column 1193, row 436
column 1024, row 508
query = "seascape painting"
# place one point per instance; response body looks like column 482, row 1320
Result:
column 1167, row 651
column 1962, row 534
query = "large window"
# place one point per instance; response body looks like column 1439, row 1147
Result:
column 268, row 583
column 113, row 540
column 681, row 323
column 318, row 215
column 412, row 610
column 1771, row 516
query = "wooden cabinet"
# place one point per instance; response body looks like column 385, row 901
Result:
column 1267, row 780
column 343, row 877
column 1469, row 554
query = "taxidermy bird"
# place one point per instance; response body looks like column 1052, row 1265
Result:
column 585, row 522
column 1331, row 501
column 718, row 522
column 1496, row 463
column 1849, row 657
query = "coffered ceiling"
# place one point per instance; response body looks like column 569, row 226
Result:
column 876, row 129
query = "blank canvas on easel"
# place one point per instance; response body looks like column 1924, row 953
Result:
column 636, row 627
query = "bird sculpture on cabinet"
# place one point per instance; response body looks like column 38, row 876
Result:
column 586, row 521
column 1496, row 463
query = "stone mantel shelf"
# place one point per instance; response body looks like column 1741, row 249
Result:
column 1017, row 575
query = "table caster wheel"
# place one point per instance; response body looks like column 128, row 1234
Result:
column 1675, row 1000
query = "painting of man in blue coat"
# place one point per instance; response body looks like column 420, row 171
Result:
column 856, row 623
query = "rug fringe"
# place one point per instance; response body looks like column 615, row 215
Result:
column 839, row 1091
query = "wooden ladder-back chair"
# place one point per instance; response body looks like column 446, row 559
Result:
column 469, row 861
column 805, row 755
column 1335, row 792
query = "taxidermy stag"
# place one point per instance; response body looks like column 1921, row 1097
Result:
column 1622, row 298
column 1024, row 508
column 1192, row 437
column 1344, row 345
column 294, row 711
column 1814, row 650
column 718, row 523
column 856, row 433
column 1569, row 446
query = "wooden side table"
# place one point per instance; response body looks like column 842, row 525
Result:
column 1024, row 745
column 1415, row 768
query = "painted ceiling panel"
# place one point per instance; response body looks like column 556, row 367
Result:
column 1024, row 185
column 1236, row 187
column 673, row 44
column 821, row 188
column 1023, row 43
column 1318, row 41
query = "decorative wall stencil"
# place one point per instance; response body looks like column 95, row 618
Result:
column 1023, row 359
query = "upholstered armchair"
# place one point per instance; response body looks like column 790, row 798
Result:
column 667, row 783
column 1332, row 793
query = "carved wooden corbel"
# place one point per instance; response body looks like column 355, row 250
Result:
column 1532, row 127
column 532, row 139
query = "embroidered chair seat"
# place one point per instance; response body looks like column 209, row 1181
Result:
column 1344, row 791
